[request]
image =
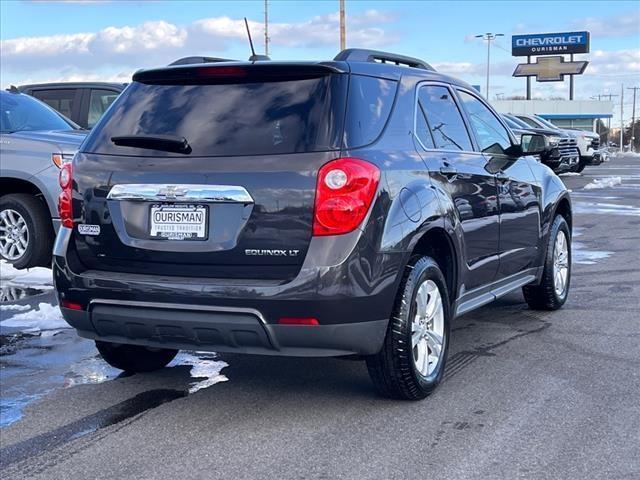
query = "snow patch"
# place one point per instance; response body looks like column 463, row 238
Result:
column 14, row 307
column 603, row 183
column 571, row 174
column 46, row 317
column 204, row 369
column 38, row 277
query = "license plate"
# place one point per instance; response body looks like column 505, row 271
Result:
column 178, row 222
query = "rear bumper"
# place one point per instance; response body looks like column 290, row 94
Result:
column 343, row 283
column 221, row 330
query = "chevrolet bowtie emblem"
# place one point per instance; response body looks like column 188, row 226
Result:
column 549, row 69
column 171, row 191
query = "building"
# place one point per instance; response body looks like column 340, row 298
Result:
column 578, row 114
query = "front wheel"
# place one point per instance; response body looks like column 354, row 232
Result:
column 553, row 289
column 135, row 358
column 412, row 360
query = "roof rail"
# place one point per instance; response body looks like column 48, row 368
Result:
column 191, row 60
column 362, row 55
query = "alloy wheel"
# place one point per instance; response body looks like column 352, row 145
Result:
column 427, row 328
column 14, row 235
column 560, row 264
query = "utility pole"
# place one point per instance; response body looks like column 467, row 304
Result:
column 633, row 118
column 489, row 37
column 621, row 117
column 343, row 34
column 266, row 27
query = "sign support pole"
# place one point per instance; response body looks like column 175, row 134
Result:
column 528, row 80
column 571, row 83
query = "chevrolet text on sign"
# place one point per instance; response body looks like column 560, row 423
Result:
column 549, row 43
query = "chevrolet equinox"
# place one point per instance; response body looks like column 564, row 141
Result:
column 348, row 207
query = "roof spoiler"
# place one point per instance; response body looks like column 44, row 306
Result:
column 376, row 56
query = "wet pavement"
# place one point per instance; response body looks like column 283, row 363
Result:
column 527, row 394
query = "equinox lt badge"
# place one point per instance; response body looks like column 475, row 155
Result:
column 271, row 253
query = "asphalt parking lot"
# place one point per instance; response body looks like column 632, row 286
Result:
column 527, row 394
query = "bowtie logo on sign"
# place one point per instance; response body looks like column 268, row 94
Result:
column 550, row 69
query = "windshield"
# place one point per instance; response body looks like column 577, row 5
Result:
column 546, row 123
column 512, row 123
column 530, row 122
column 515, row 120
column 22, row 113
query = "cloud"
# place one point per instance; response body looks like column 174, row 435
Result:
column 160, row 42
column 461, row 69
column 622, row 25
column 614, row 62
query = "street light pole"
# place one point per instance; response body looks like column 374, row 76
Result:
column 343, row 27
column 489, row 37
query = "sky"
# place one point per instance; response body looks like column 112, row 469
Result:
column 75, row 40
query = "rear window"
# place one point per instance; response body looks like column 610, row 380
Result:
column 229, row 119
column 369, row 104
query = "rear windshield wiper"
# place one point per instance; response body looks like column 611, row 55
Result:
column 168, row 143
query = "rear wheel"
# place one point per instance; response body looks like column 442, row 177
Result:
column 412, row 360
column 135, row 358
column 553, row 290
column 26, row 235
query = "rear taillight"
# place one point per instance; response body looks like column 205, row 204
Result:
column 309, row 321
column 345, row 190
column 65, row 203
column 71, row 305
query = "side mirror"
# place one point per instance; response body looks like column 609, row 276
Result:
column 532, row 144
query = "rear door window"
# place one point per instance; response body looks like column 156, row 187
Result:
column 227, row 119
column 63, row 100
column 99, row 101
column 445, row 122
column 368, row 107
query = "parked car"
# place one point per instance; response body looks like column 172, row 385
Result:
column 35, row 141
column 560, row 150
column 348, row 207
column 588, row 142
column 82, row 102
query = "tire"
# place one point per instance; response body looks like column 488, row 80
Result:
column 580, row 167
column 394, row 370
column 135, row 358
column 545, row 296
column 39, row 230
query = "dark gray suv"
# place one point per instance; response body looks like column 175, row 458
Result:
column 347, row 207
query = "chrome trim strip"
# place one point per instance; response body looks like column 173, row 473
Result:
column 179, row 306
column 180, row 193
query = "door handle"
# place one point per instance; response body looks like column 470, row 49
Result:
column 448, row 171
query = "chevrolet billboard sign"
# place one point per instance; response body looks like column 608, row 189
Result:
column 549, row 44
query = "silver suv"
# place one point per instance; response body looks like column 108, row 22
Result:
column 35, row 141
